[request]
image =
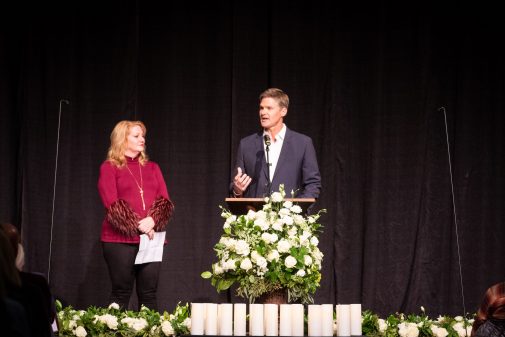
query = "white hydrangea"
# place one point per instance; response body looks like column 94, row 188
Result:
column 262, row 223
column 284, row 212
column 292, row 232
column 262, row 263
column 314, row 241
column 230, row 264
column 109, row 320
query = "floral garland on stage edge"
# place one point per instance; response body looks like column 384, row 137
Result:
column 112, row 321
column 271, row 249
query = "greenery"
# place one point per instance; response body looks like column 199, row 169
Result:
column 111, row 321
column 273, row 248
column 401, row 325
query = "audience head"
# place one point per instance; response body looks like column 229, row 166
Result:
column 9, row 275
column 492, row 306
column 15, row 240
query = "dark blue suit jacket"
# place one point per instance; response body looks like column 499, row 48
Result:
column 297, row 167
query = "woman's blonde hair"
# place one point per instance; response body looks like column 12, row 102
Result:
column 119, row 143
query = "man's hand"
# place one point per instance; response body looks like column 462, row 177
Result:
column 240, row 182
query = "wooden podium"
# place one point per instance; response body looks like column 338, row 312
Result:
column 240, row 206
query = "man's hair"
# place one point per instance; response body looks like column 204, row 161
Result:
column 277, row 94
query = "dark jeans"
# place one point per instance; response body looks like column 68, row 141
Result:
column 123, row 272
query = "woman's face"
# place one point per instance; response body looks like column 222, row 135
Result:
column 136, row 141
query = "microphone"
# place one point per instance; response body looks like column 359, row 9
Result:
column 266, row 139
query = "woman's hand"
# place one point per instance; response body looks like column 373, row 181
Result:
column 146, row 225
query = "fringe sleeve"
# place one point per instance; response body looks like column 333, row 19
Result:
column 123, row 218
column 161, row 211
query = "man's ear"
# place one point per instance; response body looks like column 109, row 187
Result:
column 284, row 112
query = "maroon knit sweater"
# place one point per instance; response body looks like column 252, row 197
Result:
column 121, row 198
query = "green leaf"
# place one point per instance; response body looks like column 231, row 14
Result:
column 206, row 274
column 224, row 284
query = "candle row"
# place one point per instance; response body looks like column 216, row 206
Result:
column 273, row 320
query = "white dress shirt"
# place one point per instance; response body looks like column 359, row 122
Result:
column 274, row 149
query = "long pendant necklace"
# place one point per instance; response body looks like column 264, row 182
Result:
column 141, row 191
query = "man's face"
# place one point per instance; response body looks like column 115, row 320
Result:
column 271, row 113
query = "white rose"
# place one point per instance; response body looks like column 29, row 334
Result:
column 113, row 305
column 290, row 262
column 230, row 264
column 254, row 255
column 300, row 273
column 167, row 328
column 296, row 209
column 277, row 225
column 284, row 212
column 80, row 332
column 262, row 223
column 382, row 325
column 266, row 237
column 226, row 225
column 292, row 231
column 72, row 324
column 218, row 269
column 283, row 246
column 304, row 238
column 311, row 219
column 187, row 323
column 277, row 197
column 458, row 318
column 251, row 215
column 314, row 241
column 439, row 332
column 287, row 220
column 287, row 204
column 273, row 237
column 242, row 247
column 262, row 263
column 307, row 260
column 273, row 255
column 408, row 330
column 246, row 264
column 139, row 324
column 299, row 220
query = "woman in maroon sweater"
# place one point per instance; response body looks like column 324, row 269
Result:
column 136, row 200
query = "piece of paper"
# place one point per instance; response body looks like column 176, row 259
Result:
column 150, row 250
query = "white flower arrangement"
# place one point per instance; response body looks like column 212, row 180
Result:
column 112, row 321
column 269, row 249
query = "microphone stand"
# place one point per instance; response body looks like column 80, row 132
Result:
column 267, row 150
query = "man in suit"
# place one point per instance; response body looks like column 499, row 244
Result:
column 291, row 155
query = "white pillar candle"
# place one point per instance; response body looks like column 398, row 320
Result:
column 271, row 319
column 197, row 318
column 225, row 319
column 285, row 320
column 356, row 329
column 344, row 320
column 211, row 319
column 314, row 320
column 326, row 319
column 239, row 319
column 256, row 326
column 297, row 319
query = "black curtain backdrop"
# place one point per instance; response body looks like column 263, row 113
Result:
column 366, row 82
